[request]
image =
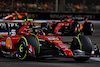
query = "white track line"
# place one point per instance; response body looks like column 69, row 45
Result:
column 95, row 59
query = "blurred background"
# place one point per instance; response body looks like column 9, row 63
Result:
column 75, row 6
column 91, row 8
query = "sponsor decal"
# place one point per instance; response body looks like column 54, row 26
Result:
column 60, row 24
column 3, row 25
column 52, row 38
column 66, row 49
column 13, row 32
column 41, row 40
column 31, row 49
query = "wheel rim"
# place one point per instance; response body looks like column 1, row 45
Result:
column 22, row 51
column 21, row 48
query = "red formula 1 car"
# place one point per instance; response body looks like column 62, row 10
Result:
column 71, row 26
column 29, row 41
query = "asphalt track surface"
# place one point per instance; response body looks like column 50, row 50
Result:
column 57, row 61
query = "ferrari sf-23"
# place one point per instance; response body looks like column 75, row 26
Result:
column 27, row 41
column 71, row 26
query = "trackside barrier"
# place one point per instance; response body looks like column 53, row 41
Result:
column 45, row 21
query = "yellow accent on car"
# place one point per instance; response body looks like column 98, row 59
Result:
column 67, row 24
column 70, row 53
column 24, row 55
column 79, row 41
column 28, row 19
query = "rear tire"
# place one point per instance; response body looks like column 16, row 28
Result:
column 88, row 28
column 72, row 28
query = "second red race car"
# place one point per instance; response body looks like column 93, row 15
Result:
column 72, row 26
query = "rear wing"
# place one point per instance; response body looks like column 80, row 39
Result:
column 74, row 18
column 80, row 18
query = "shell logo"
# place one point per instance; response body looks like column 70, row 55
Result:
column 8, row 42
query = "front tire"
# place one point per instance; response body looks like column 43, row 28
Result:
column 82, row 43
column 22, row 48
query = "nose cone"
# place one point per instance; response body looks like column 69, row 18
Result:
column 69, row 52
